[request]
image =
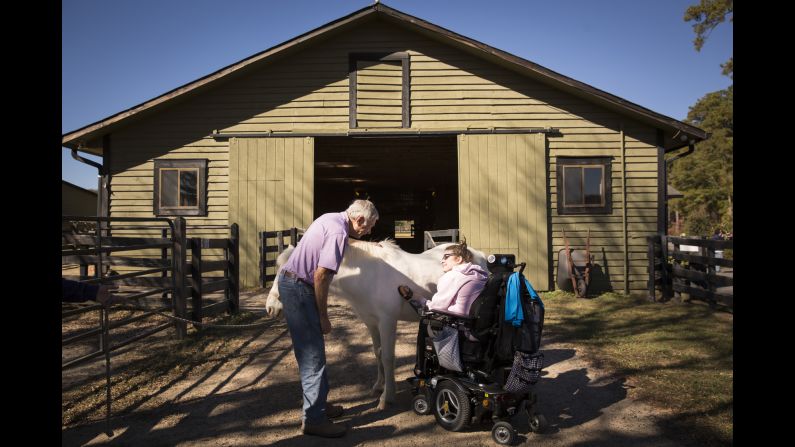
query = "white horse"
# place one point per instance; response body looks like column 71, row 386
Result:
column 368, row 278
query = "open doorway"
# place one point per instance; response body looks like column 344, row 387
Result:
column 413, row 181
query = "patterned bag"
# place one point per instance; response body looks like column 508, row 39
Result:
column 446, row 345
column 524, row 372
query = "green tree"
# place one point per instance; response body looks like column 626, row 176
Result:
column 706, row 176
column 707, row 15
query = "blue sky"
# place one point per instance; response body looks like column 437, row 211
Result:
column 117, row 54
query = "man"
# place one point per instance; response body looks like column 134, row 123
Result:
column 303, row 288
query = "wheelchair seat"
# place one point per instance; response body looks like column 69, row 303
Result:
column 476, row 330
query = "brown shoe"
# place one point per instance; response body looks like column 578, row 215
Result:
column 334, row 411
column 327, row 429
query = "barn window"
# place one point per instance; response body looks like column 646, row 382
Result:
column 379, row 90
column 180, row 188
column 583, row 185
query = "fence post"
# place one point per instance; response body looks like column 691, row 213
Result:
column 261, row 246
column 294, row 236
column 651, row 241
column 667, row 283
column 180, row 264
column 196, row 276
column 709, row 252
column 164, row 258
column 234, row 268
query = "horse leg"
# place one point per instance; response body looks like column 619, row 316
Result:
column 388, row 331
column 376, row 336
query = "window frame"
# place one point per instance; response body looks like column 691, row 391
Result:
column 198, row 165
column 354, row 59
column 606, row 207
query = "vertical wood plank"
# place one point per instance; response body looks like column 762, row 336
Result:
column 289, row 176
column 501, row 181
column 234, row 268
column 243, row 207
column 462, row 153
column 542, row 234
column 298, row 182
column 483, row 191
column 251, row 233
column 511, row 219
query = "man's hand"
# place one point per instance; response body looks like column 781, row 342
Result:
column 325, row 325
column 106, row 297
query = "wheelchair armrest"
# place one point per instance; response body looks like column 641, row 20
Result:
column 442, row 316
column 456, row 316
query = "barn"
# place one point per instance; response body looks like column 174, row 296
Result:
column 438, row 130
column 77, row 201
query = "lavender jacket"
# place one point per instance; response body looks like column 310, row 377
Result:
column 457, row 289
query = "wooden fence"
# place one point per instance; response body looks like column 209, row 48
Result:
column 228, row 284
column 431, row 237
column 271, row 243
column 166, row 275
column 690, row 266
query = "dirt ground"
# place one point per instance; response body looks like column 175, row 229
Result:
column 258, row 401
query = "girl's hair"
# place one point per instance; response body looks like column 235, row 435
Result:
column 460, row 249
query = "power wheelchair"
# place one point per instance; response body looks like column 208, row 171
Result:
column 488, row 351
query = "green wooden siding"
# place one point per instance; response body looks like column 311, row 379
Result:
column 450, row 89
column 271, row 187
column 502, row 198
column 379, row 94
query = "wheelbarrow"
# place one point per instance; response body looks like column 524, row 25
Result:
column 574, row 268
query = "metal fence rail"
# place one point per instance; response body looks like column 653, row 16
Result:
column 86, row 241
column 431, row 237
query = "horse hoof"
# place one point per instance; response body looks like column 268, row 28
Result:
column 383, row 405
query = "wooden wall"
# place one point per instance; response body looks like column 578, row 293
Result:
column 272, row 187
column 502, row 198
column 450, row 89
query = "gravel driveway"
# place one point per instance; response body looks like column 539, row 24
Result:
column 258, row 401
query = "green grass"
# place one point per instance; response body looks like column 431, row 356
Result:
column 677, row 356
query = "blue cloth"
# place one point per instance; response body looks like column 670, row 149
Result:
column 303, row 321
column 513, row 304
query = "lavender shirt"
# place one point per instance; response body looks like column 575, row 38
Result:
column 322, row 245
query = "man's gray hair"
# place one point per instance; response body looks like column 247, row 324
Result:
column 362, row 208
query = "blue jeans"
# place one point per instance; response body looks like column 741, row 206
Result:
column 303, row 321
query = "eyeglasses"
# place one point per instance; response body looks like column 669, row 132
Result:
column 447, row 255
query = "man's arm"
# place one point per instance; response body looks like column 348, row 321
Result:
column 323, row 277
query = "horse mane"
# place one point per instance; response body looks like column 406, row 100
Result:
column 372, row 249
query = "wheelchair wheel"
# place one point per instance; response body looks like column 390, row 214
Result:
column 451, row 406
column 538, row 423
column 420, row 404
column 503, row 433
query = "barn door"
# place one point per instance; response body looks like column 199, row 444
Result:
column 502, row 198
column 271, row 187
